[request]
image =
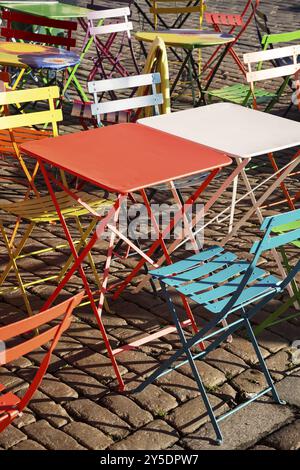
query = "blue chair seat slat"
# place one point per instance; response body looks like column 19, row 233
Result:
column 226, row 289
column 188, row 263
column 233, row 270
column 250, row 294
column 207, row 268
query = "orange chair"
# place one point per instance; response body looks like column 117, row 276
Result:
column 11, row 405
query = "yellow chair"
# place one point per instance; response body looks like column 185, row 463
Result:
column 40, row 209
column 16, row 129
column 157, row 61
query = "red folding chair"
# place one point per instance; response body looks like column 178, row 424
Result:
column 11, row 405
column 236, row 25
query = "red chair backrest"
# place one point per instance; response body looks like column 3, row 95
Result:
column 12, row 29
column 234, row 20
column 52, row 334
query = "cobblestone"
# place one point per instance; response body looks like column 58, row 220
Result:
column 88, row 436
column 50, row 437
column 98, row 417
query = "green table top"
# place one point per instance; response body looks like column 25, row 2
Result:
column 187, row 38
column 51, row 9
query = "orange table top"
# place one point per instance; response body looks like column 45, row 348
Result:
column 126, row 157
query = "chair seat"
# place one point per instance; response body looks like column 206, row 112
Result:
column 211, row 277
column 238, row 94
column 84, row 111
column 42, row 209
column 19, row 136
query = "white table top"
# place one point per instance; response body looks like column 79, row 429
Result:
column 235, row 130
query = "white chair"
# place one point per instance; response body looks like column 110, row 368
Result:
column 106, row 27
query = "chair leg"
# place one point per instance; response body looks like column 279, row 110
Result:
column 282, row 185
column 12, row 264
column 219, row 437
column 233, row 202
column 262, row 363
column 272, row 319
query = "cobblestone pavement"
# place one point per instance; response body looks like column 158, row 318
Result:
column 77, row 405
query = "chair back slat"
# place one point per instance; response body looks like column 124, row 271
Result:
column 269, row 56
column 30, row 119
column 280, row 219
column 21, row 327
column 281, row 37
column 14, row 31
column 8, row 33
column 277, row 241
column 182, row 9
column 107, row 14
column 32, row 94
column 52, row 115
column 38, row 20
column 133, row 81
column 148, row 99
column 31, row 344
column 271, row 240
column 129, row 103
column 111, row 28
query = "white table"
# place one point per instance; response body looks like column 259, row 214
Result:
column 243, row 134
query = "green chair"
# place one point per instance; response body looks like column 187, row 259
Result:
column 283, row 64
column 273, row 319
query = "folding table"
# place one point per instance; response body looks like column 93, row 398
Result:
column 36, row 56
column 190, row 40
column 123, row 159
column 55, row 10
column 240, row 132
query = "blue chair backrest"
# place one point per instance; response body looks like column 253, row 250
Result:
column 269, row 241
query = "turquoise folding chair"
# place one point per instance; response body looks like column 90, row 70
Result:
column 224, row 284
